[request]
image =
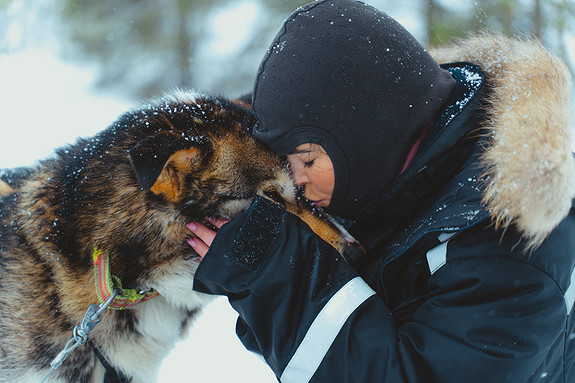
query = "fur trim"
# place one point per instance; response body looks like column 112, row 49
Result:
column 530, row 176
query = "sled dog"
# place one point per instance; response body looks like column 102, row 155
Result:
column 101, row 225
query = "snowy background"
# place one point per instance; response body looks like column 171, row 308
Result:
column 48, row 100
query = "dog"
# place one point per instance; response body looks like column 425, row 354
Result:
column 95, row 273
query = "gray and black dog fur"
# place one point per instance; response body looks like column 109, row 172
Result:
column 129, row 189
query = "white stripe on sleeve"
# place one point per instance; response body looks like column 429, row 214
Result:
column 324, row 330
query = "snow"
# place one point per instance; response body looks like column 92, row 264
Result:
column 213, row 353
column 45, row 104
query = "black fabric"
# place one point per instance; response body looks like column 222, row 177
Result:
column 447, row 147
column 345, row 75
column 260, row 294
column 491, row 313
column 487, row 316
column 112, row 375
column 252, row 244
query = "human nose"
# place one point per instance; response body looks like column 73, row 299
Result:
column 299, row 176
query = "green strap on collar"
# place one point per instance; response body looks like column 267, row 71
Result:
column 106, row 283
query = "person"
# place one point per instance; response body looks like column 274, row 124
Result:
column 457, row 179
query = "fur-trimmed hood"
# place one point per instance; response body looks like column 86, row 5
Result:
column 530, row 166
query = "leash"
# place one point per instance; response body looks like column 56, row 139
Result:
column 111, row 295
column 92, row 317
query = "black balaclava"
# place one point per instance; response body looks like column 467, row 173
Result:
column 346, row 76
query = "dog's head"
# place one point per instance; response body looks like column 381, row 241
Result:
column 201, row 157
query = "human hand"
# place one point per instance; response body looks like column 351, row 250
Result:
column 205, row 236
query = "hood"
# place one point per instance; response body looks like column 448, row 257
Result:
column 530, row 169
column 345, row 75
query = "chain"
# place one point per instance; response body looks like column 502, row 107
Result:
column 92, row 317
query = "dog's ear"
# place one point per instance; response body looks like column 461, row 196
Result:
column 162, row 162
column 150, row 155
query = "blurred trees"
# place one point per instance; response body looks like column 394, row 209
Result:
column 145, row 47
column 548, row 20
column 147, row 44
column 153, row 46
column 157, row 45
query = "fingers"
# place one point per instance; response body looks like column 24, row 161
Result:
column 199, row 246
column 203, row 232
column 217, row 222
column 204, row 239
column 205, row 236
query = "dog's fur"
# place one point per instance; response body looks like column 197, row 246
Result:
column 130, row 189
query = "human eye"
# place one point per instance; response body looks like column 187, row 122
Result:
column 308, row 164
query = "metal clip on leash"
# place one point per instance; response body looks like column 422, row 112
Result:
column 92, row 317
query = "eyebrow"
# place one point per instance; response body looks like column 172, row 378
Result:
column 295, row 151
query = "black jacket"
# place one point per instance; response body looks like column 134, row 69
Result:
column 443, row 295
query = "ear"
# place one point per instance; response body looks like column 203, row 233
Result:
column 150, row 156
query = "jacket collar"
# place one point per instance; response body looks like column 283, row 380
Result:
column 447, row 147
column 526, row 164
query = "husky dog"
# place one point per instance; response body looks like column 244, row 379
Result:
column 103, row 222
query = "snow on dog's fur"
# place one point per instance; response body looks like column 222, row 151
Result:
column 130, row 190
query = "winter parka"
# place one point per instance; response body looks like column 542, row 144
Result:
column 468, row 274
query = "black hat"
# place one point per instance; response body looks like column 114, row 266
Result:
column 348, row 77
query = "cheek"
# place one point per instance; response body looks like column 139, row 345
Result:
column 295, row 168
column 329, row 182
column 324, row 180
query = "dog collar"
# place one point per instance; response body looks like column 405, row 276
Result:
column 106, row 283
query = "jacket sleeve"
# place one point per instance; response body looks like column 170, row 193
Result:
column 306, row 311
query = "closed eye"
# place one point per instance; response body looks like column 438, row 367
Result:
column 308, row 164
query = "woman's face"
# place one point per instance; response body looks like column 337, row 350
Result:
column 312, row 169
